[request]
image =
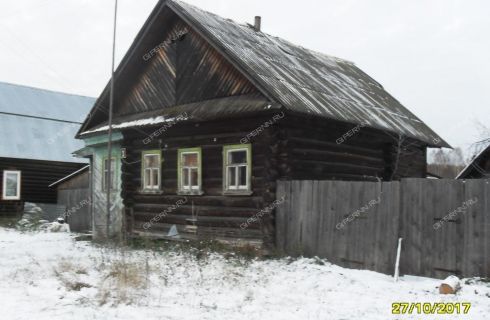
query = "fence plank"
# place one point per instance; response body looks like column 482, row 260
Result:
column 317, row 218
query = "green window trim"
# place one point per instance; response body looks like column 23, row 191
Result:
column 190, row 190
column 160, row 161
column 114, row 172
column 237, row 190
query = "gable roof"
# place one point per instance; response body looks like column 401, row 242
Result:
column 39, row 124
column 475, row 166
column 301, row 80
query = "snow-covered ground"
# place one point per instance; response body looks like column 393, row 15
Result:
column 51, row 276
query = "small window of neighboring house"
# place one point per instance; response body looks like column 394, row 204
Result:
column 189, row 170
column 106, row 174
column 11, row 185
column 237, row 168
column 151, row 167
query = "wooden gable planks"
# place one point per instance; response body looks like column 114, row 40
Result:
column 181, row 70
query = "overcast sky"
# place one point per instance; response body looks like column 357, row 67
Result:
column 432, row 55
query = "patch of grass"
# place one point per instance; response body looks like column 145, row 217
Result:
column 68, row 274
column 127, row 274
column 65, row 266
column 122, row 283
column 477, row 280
column 199, row 249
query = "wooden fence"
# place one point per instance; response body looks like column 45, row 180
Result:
column 445, row 224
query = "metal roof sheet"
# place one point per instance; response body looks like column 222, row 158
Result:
column 24, row 100
column 307, row 81
column 39, row 124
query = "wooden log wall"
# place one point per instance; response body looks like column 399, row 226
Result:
column 219, row 216
column 36, row 176
column 444, row 224
column 291, row 148
column 315, row 149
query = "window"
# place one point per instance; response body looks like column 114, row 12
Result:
column 106, row 174
column 189, row 171
column 151, row 161
column 11, row 185
column 237, row 168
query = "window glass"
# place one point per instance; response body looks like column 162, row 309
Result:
column 237, row 168
column 190, row 169
column 232, row 177
column 194, row 177
column 190, row 159
column 237, row 157
column 185, row 175
column 242, row 180
column 106, row 174
column 151, row 170
column 11, row 184
column 147, row 177
column 151, row 160
column 154, row 178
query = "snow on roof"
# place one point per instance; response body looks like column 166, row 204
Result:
column 306, row 81
column 137, row 123
column 299, row 79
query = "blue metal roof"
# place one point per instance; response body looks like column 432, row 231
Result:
column 35, row 102
column 40, row 124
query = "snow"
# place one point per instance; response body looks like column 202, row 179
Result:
column 451, row 281
column 138, row 123
column 52, row 276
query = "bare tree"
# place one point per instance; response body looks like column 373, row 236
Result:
column 483, row 139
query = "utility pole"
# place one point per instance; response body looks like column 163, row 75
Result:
column 109, row 135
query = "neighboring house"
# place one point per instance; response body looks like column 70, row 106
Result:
column 36, row 129
column 209, row 114
column 479, row 167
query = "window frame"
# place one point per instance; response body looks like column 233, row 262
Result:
column 247, row 190
column 113, row 175
column 4, row 185
column 180, row 167
column 145, row 153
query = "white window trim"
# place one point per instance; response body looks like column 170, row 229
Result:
column 182, row 177
column 4, row 184
column 151, row 169
column 237, row 187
